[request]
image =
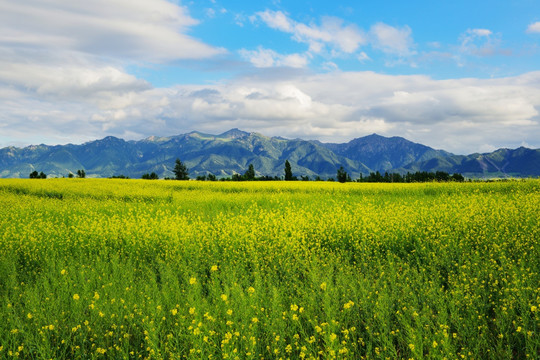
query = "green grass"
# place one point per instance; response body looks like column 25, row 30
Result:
column 137, row 269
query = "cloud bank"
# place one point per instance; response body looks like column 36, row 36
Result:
column 464, row 115
column 135, row 29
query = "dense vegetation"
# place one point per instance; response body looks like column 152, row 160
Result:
column 168, row 269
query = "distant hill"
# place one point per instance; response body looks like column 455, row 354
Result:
column 521, row 162
column 233, row 151
column 383, row 154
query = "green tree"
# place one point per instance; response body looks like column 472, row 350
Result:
column 342, row 175
column 250, row 173
column 81, row 174
column 180, row 171
column 288, row 171
column 35, row 175
column 152, row 176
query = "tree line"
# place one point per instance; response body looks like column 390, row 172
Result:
column 341, row 176
column 181, row 172
column 41, row 175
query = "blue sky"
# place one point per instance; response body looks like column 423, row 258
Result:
column 458, row 75
column 442, row 41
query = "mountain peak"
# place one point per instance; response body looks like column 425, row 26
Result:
column 234, row 134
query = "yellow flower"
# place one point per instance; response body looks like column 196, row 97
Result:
column 411, row 346
column 29, row 316
column 50, row 327
column 63, row 272
column 294, row 307
column 534, row 308
column 229, row 312
column 214, row 268
column 254, row 320
column 96, row 295
column 223, row 297
column 323, row 286
column 251, row 290
column 174, row 312
column 192, row 281
column 348, row 305
column 518, row 329
column 333, row 337
column 192, row 310
column 434, row 344
column 76, row 297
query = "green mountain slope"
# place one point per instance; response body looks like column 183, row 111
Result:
column 233, row 151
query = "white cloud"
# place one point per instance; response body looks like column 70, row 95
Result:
column 62, row 65
column 135, row 29
column 460, row 115
column 262, row 58
column 363, row 57
column 534, row 28
column 70, row 82
column 277, row 20
column 332, row 32
column 392, row 40
column 333, row 38
column 480, row 32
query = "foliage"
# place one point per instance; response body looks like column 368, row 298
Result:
column 81, row 174
column 180, row 170
column 95, row 268
column 288, row 172
column 152, row 176
column 35, row 175
column 342, row 175
column 249, row 175
column 419, row 176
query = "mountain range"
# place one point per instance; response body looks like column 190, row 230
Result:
column 233, row 151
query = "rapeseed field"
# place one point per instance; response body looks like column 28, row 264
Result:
column 134, row 269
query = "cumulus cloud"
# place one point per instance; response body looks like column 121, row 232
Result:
column 460, row 115
column 262, row 58
column 331, row 33
column 62, row 65
column 71, row 81
column 534, row 28
column 334, row 38
column 480, row 32
column 136, row 29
